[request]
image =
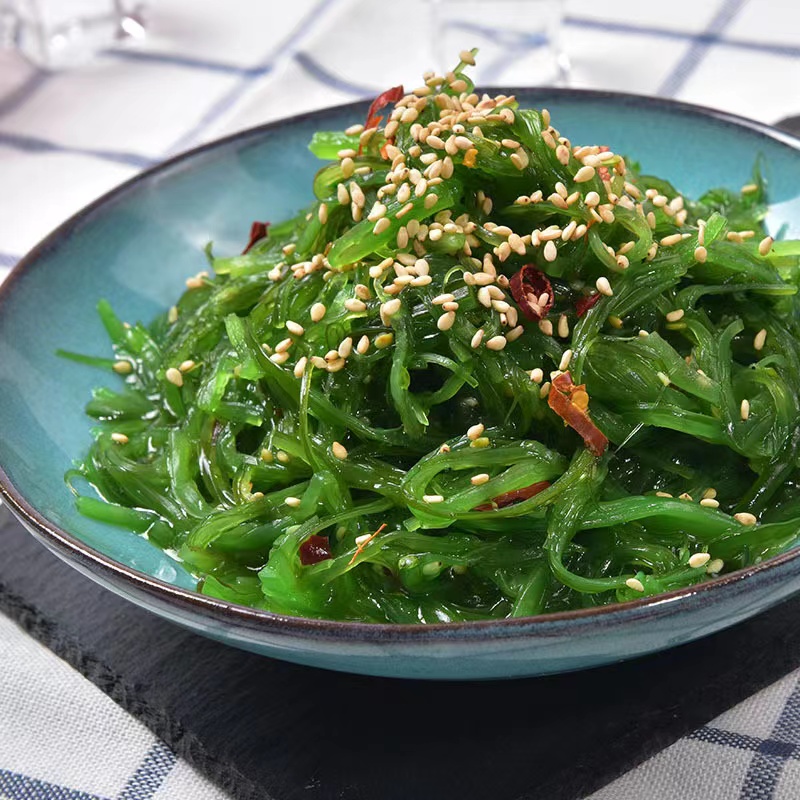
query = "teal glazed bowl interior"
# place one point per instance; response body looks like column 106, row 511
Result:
column 136, row 246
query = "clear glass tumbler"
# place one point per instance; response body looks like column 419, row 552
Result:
column 519, row 40
column 57, row 34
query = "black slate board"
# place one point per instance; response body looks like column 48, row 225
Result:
column 265, row 729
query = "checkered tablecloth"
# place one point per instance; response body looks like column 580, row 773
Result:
column 210, row 68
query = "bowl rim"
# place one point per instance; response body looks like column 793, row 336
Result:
column 71, row 548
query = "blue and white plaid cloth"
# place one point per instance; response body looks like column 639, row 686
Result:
column 209, row 69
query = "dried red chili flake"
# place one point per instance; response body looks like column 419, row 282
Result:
column 531, row 288
column 258, row 230
column 571, row 403
column 514, row 496
column 381, row 101
column 315, row 549
column 583, row 304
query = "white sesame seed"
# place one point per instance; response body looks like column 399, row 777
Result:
column 546, row 327
column 322, row 213
column 317, row 312
column 119, row 438
column 283, row 345
column 475, row 431
column 319, row 362
column 440, row 299
column 674, row 316
column 363, row 345
column 700, row 254
column 709, row 502
column 292, row 502
column 348, row 167
column 550, row 251
column 476, row 340
column 279, row 358
column 345, row 347
column 635, row 584
column 664, row 378
column 339, row 450
column 765, row 245
column 537, row 374
column 174, row 375
column 446, row 320
column 592, row 199
column 545, row 390
column 295, row 328
column 710, row 493
column 123, row 367
column 185, row 366
column 745, row 518
column 603, row 286
column 354, row 305
column 172, row 315
column 432, row 498
column 760, row 339
column 479, row 479
column 496, row 342
column 670, row 240
column 283, row 457
column 663, row 494
column 744, row 409
column 520, row 159
column 563, row 365
column 354, row 130
column 515, row 332
column 698, row 560
column 563, row 325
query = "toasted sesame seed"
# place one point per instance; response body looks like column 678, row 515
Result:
column 404, row 210
column 715, row 566
column 515, row 332
column 319, row 362
column 354, row 305
column 537, row 374
column 479, row 479
column 496, row 342
column 279, row 358
column 354, row 130
column 744, row 409
column 674, row 316
column 119, row 438
column 348, row 167
column 760, row 339
column 174, row 375
column 700, row 254
column 698, row 560
column 603, row 286
column 585, row 173
column 749, row 188
column 710, row 493
column 317, row 312
column 709, row 502
column 545, row 390
column 670, row 240
column 185, row 366
column 635, row 584
column 123, row 367
column 432, row 498
column 563, row 365
column 745, row 518
column 563, row 326
column 283, row 345
column 663, row 494
column 322, row 213
column 765, row 245
column 283, row 457
column 381, row 226
column 467, row 57
column 685, row 496
column 339, row 451
column 384, row 340
column 546, row 327
column 300, row 367
column 475, row 431
column 614, row 321
column 520, row 159
column 292, row 502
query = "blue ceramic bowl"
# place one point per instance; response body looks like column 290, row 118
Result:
column 135, row 247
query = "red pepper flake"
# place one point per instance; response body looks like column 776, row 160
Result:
column 515, row 496
column 315, row 549
column 585, row 303
column 381, row 101
column 531, row 288
column 258, row 231
column 603, row 172
column 571, row 403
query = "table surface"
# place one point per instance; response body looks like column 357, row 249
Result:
column 66, row 138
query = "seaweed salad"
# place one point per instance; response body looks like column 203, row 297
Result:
column 488, row 372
